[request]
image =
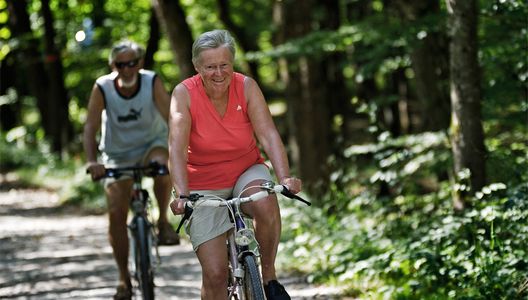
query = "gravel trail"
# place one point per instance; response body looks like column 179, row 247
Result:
column 49, row 253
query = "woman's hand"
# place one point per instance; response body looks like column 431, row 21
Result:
column 293, row 184
column 177, row 206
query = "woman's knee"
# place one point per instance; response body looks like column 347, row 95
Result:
column 216, row 278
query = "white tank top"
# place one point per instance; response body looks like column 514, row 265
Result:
column 130, row 124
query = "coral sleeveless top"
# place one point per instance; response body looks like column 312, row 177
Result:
column 220, row 149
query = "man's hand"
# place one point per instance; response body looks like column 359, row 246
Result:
column 96, row 170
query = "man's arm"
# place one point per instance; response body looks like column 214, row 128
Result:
column 161, row 98
column 91, row 127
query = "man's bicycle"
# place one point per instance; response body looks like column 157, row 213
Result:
column 245, row 282
column 144, row 256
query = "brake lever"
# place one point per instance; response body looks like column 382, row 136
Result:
column 186, row 215
column 286, row 192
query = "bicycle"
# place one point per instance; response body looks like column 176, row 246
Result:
column 142, row 238
column 245, row 281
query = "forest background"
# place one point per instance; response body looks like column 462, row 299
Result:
column 407, row 121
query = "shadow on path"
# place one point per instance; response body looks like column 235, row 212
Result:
column 49, row 253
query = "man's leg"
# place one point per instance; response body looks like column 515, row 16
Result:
column 118, row 194
column 162, row 191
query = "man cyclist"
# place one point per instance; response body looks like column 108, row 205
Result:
column 130, row 106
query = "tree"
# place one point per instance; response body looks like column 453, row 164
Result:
column 429, row 57
column 58, row 123
column 467, row 136
column 172, row 16
column 308, row 111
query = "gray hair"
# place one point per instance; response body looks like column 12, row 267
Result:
column 125, row 46
column 211, row 40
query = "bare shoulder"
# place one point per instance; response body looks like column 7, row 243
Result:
column 180, row 94
column 252, row 90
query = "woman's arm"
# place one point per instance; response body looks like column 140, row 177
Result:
column 179, row 130
column 268, row 135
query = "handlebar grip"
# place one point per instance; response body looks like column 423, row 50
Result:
column 286, row 192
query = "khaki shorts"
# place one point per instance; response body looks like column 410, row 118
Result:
column 110, row 162
column 207, row 223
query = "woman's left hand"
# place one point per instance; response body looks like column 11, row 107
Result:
column 293, row 184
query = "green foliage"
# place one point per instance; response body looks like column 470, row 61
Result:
column 393, row 234
column 14, row 155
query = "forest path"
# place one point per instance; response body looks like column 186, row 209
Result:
column 47, row 252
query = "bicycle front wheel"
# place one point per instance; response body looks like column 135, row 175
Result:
column 145, row 274
column 252, row 283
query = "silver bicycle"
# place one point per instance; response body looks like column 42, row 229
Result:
column 245, row 282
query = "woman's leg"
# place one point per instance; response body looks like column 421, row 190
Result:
column 213, row 259
column 267, row 224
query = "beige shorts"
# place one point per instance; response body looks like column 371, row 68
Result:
column 207, row 223
column 140, row 160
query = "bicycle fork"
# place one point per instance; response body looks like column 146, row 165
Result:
column 152, row 245
column 237, row 272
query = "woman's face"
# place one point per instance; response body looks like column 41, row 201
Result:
column 215, row 66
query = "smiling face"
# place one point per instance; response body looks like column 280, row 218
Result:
column 215, row 66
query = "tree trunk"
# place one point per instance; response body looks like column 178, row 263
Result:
column 430, row 62
column 60, row 127
column 171, row 15
column 246, row 43
column 10, row 111
column 153, row 41
column 32, row 67
column 308, row 112
column 466, row 131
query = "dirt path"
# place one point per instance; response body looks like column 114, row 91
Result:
column 46, row 253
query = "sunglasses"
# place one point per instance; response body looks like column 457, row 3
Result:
column 123, row 64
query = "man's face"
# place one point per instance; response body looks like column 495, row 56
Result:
column 127, row 66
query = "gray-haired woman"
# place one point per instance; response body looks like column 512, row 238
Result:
column 214, row 117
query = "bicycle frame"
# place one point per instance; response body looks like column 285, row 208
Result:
column 244, row 275
column 140, row 227
column 238, row 242
column 142, row 237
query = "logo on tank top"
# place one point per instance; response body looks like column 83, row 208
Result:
column 133, row 115
column 239, row 107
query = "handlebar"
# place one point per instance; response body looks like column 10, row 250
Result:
column 152, row 169
column 267, row 189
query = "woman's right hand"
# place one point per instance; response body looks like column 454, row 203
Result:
column 177, row 206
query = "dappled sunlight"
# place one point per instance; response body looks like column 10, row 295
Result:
column 49, row 253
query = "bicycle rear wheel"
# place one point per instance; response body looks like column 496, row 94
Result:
column 145, row 275
column 252, row 282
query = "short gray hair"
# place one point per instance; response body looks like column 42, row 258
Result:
column 125, row 46
column 211, row 40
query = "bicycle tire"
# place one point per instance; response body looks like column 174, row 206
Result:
column 252, row 282
column 145, row 275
